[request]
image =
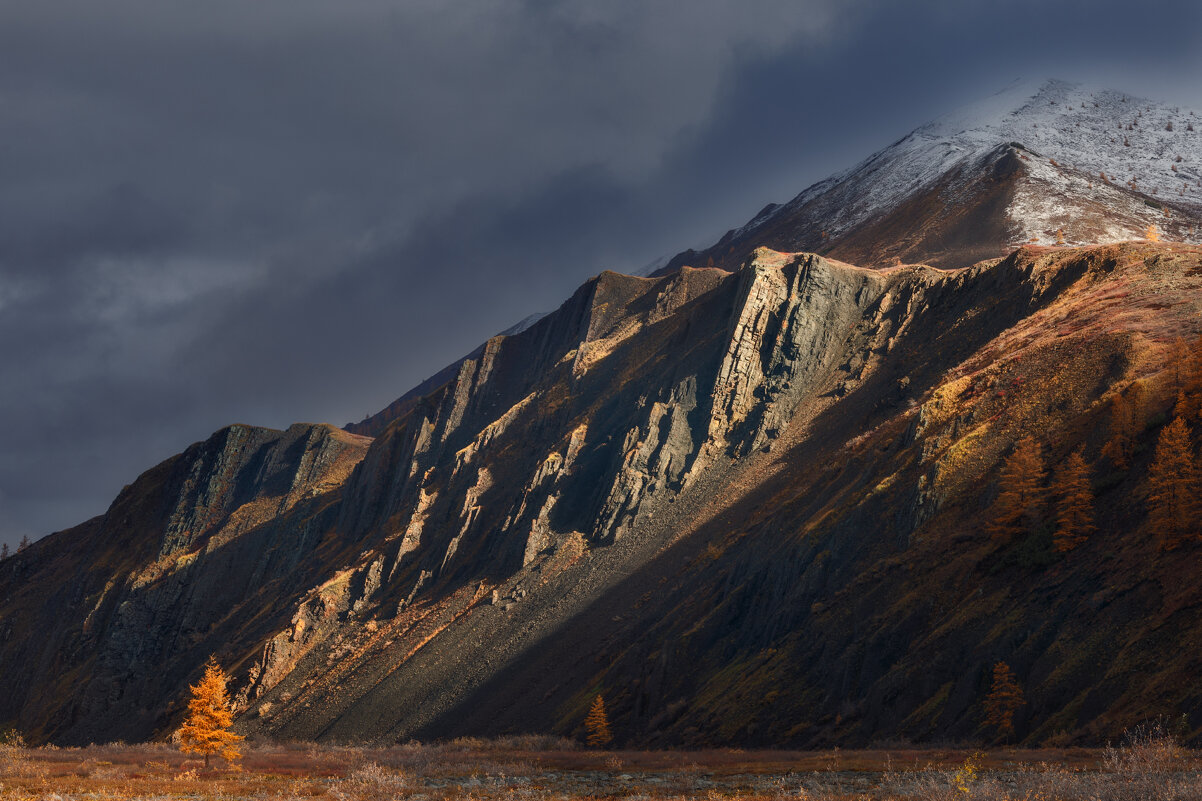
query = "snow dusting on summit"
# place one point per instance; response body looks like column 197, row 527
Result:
column 1093, row 131
column 1092, row 144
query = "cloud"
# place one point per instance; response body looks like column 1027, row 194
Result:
column 202, row 207
column 270, row 211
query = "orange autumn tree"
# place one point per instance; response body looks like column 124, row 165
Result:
column 1173, row 487
column 207, row 729
column 1074, row 503
column 597, row 724
column 1004, row 699
column 1178, row 361
column 1021, row 496
column 1190, row 396
column 1126, row 421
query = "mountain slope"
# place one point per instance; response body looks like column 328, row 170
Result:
column 745, row 505
column 1026, row 164
column 102, row 624
column 773, row 477
column 835, row 587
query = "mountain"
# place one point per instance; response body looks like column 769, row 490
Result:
column 1097, row 166
column 748, row 506
column 374, row 424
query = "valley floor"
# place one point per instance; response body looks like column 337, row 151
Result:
column 543, row 768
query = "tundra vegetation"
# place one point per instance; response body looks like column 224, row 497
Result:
column 1147, row 764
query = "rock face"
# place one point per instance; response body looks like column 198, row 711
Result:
column 745, row 506
column 103, row 623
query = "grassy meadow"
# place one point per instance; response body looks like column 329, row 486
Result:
column 1149, row 765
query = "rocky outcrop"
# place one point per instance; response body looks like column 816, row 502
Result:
column 180, row 565
column 695, row 491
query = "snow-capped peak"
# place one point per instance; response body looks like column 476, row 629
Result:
column 1073, row 134
column 1093, row 131
column 1050, row 163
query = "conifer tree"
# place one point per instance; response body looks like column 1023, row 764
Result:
column 1004, row 699
column 597, row 725
column 1152, row 235
column 1126, row 421
column 1191, row 384
column 1173, row 487
column 24, row 544
column 4, row 551
column 207, row 729
column 1181, row 405
column 1021, row 497
column 1074, row 503
column 1179, row 362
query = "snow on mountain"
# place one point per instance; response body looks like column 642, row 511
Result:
column 1093, row 131
column 1106, row 151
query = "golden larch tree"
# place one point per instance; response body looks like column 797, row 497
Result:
column 1152, row 235
column 1021, row 497
column 1074, row 503
column 1173, row 487
column 207, row 729
column 1004, row 699
column 597, row 725
column 1126, row 421
column 1191, row 383
column 1179, row 362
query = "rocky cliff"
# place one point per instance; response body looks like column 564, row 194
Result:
column 743, row 505
column 102, row 624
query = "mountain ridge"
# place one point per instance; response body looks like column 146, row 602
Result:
column 745, row 505
column 854, row 213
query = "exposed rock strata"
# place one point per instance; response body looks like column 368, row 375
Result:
column 691, row 470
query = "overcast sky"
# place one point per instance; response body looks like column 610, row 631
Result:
column 291, row 210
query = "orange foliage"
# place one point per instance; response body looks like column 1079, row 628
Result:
column 1190, row 378
column 206, row 731
column 597, row 724
column 1074, row 503
column 1173, row 487
column 1021, row 497
column 1126, row 421
column 1004, row 699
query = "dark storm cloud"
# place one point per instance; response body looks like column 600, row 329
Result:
column 271, row 211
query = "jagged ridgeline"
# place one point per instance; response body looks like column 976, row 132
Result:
column 746, row 507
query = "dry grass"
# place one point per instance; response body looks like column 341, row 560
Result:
column 1147, row 765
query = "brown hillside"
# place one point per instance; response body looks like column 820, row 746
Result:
column 745, row 507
